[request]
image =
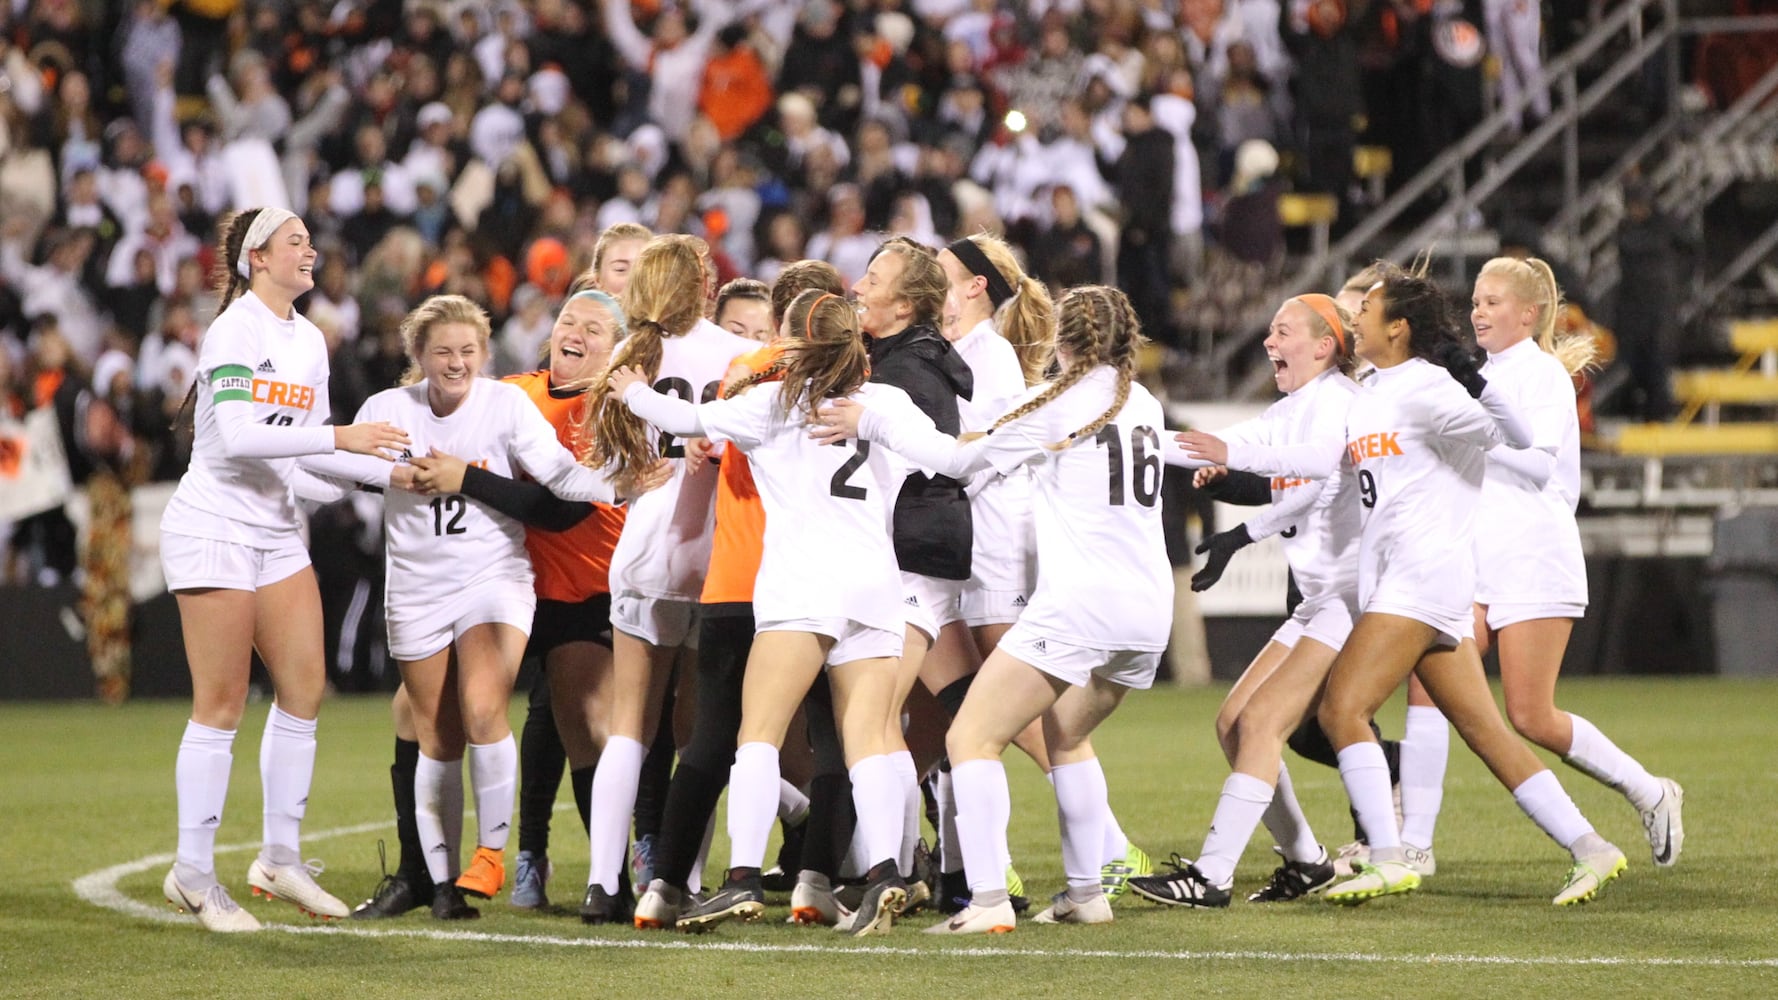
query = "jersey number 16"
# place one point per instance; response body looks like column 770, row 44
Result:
column 1145, row 463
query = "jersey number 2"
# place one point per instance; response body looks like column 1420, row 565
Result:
column 454, row 505
column 838, row 485
column 1145, row 462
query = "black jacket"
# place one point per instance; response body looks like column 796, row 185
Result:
column 933, row 531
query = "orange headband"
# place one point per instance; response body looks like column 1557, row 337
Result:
column 1324, row 306
column 809, row 319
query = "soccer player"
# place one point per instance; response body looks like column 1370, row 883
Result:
column 744, row 308
column 824, row 507
column 234, row 558
column 1094, row 628
column 658, row 567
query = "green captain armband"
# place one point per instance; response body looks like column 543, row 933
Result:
column 231, row 384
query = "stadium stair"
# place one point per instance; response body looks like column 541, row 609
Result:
column 1748, row 389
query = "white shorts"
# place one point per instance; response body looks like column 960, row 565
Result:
column 416, row 633
column 1452, row 629
column 1328, row 622
column 655, row 620
column 1504, row 614
column 852, row 641
column 199, row 563
column 1065, row 661
column 991, row 607
column 930, row 603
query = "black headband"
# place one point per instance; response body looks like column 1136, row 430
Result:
column 972, row 257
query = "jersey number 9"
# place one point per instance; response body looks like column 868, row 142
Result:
column 1367, row 488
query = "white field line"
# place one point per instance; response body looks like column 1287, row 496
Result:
column 100, row 889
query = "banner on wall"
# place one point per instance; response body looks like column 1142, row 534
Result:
column 33, row 467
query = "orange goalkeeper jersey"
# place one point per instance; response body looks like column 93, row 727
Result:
column 571, row 565
column 740, row 518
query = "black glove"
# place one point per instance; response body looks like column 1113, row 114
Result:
column 1221, row 547
column 1462, row 366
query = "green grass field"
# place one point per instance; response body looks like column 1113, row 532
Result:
column 88, row 811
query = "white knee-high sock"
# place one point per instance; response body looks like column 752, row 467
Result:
column 752, row 803
column 984, row 807
column 286, row 768
column 911, row 803
column 438, row 814
column 200, row 784
column 1598, row 758
column 1288, row 826
column 1547, row 803
column 877, row 795
column 793, row 805
column 614, row 801
column 1365, row 773
column 695, row 881
column 950, row 854
column 1425, row 750
column 1082, row 803
column 1243, row 801
column 494, row 770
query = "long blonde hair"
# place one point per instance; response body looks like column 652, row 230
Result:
column 1097, row 326
column 665, row 298
column 436, row 311
column 1028, row 319
column 1532, row 281
column 825, row 360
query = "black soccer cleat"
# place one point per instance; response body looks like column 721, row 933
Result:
column 601, row 907
column 740, row 898
column 1296, row 879
column 1183, row 886
column 448, row 904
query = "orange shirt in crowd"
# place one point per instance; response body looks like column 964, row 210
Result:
column 571, row 565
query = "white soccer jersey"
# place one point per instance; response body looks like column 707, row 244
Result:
column 664, row 550
column 826, row 551
column 1527, row 543
column 1321, row 529
column 1001, row 556
column 440, row 546
column 250, row 356
column 1103, row 580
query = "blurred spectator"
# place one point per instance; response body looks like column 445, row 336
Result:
column 844, row 243
column 54, row 287
column 1514, row 30
column 526, row 332
column 672, row 57
column 149, row 50
column 1139, row 164
column 246, row 104
column 736, row 90
column 1651, row 247
column 1328, row 91
column 1066, row 252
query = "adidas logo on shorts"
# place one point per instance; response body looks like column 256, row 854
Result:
column 1040, row 646
column 912, row 602
column 1019, row 601
column 265, row 367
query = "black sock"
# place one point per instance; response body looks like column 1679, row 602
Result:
column 951, row 695
column 1392, row 754
column 691, row 801
column 831, row 821
column 412, row 862
column 657, row 771
column 1311, row 743
column 582, row 780
column 541, row 763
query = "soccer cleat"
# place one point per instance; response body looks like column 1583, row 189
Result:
column 528, row 878
column 295, row 883
column 1063, row 910
column 642, row 860
column 1590, row 874
column 1386, row 878
column 1666, row 834
column 812, row 906
column 1295, row 879
column 395, row 894
column 485, row 875
column 953, row 892
column 601, row 907
column 919, row 897
column 659, row 907
column 740, row 898
column 1115, row 875
column 775, row 879
column 1184, row 886
column 996, row 919
column 1422, row 862
column 448, row 904
column 1015, row 891
column 885, row 895
column 214, row 908
column 1350, row 856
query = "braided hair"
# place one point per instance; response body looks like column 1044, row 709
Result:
column 1096, row 325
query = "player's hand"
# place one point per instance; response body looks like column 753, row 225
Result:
column 383, row 440
column 1209, row 474
column 698, row 451
column 401, row 477
column 631, row 485
column 1202, row 446
column 438, row 473
column 835, row 422
column 1218, row 549
column 622, row 378
column 1460, row 363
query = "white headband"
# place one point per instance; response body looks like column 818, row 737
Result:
column 259, row 234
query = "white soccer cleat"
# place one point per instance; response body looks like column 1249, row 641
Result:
column 214, row 908
column 1666, row 833
column 1422, row 862
column 295, row 883
column 1590, row 874
column 812, row 906
column 996, row 919
column 1385, row 878
column 1063, row 910
column 1347, row 859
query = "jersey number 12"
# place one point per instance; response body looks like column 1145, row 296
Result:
column 454, row 505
